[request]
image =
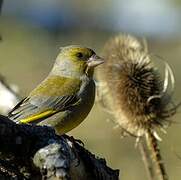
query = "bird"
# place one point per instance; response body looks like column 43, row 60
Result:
column 66, row 96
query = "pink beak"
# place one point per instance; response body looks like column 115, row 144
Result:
column 94, row 61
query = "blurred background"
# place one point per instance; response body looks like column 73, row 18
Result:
column 33, row 31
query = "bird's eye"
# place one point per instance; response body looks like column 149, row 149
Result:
column 79, row 55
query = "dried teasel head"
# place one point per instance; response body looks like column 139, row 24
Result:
column 132, row 88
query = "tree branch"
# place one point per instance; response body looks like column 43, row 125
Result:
column 54, row 157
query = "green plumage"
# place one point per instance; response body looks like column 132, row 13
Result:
column 65, row 97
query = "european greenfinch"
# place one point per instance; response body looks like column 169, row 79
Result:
column 66, row 96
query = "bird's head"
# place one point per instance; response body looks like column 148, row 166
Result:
column 77, row 60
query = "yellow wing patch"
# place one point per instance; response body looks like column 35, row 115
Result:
column 37, row 116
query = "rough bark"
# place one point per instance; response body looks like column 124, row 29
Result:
column 37, row 152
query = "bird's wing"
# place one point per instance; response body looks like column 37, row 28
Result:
column 53, row 95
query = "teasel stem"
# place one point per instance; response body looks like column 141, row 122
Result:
column 156, row 155
column 146, row 159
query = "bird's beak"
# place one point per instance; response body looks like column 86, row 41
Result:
column 94, row 61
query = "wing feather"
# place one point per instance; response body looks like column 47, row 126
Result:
column 43, row 105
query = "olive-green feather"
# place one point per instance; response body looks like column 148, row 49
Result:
column 57, row 86
column 54, row 94
column 64, row 99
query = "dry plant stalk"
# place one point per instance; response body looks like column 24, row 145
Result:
column 133, row 90
column 146, row 160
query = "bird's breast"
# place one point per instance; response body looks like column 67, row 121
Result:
column 87, row 97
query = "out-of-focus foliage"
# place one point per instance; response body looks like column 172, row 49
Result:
column 32, row 35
